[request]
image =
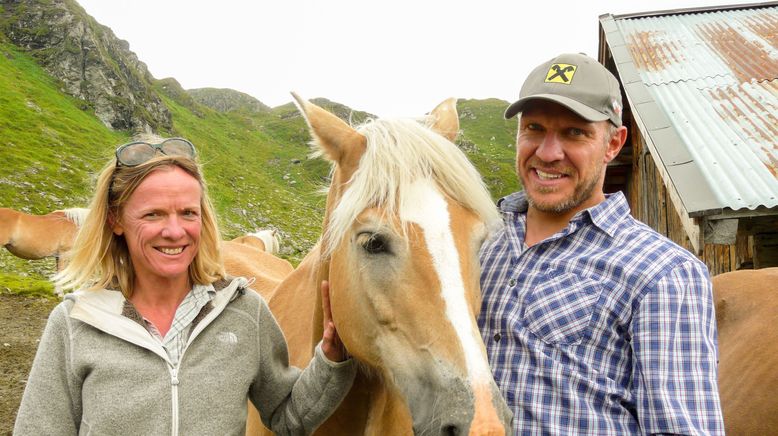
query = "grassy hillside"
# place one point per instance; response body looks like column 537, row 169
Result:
column 49, row 148
column 256, row 164
column 489, row 141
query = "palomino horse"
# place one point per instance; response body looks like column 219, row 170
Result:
column 247, row 256
column 405, row 216
column 265, row 240
column 747, row 319
column 37, row 236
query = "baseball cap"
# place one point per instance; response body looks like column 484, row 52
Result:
column 577, row 82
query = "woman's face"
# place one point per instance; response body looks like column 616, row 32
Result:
column 161, row 223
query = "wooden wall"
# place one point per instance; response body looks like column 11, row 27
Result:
column 651, row 204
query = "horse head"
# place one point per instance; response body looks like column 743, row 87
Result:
column 406, row 214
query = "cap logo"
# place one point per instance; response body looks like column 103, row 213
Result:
column 560, row 73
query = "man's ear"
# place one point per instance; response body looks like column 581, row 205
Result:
column 615, row 144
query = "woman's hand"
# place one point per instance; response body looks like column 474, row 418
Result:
column 331, row 344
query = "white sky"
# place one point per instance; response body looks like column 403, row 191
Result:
column 390, row 57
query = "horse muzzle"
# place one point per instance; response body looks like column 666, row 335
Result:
column 447, row 404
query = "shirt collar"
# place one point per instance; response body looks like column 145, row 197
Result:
column 605, row 215
column 203, row 294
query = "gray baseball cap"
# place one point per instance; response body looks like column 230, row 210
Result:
column 577, row 82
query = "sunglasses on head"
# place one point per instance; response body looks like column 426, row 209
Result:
column 135, row 153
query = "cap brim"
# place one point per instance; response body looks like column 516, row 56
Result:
column 581, row 109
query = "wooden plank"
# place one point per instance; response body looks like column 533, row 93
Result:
column 661, row 205
column 709, row 257
column 765, row 250
column 744, row 258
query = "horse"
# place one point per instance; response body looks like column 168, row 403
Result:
column 36, row 237
column 251, row 256
column 265, row 240
column 746, row 317
column 405, row 215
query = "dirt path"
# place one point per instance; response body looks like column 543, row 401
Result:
column 21, row 324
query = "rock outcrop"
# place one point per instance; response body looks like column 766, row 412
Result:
column 227, row 100
column 89, row 60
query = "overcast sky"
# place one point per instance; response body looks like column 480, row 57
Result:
column 389, row 57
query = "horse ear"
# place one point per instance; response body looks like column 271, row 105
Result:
column 339, row 141
column 445, row 119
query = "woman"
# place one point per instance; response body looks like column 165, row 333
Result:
column 157, row 340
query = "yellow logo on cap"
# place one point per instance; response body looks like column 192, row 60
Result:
column 560, row 73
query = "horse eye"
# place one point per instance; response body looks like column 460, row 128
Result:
column 374, row 243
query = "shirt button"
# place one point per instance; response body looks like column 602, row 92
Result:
column 512, row 282
column 497, row 337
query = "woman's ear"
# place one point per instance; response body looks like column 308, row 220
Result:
column 113, row 222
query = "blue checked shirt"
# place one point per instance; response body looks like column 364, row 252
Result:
column 605, row 328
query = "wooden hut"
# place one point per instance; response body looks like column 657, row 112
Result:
column 701, row 103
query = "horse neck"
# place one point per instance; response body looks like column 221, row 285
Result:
column 370, row 408
column 9, row 221
column 387, row 411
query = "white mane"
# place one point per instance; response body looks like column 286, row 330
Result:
column 77, row 215
column 269, row 237
column 399, row 152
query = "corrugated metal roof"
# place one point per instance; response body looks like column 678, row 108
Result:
column 715, row 77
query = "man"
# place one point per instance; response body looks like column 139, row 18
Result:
column 594, row 323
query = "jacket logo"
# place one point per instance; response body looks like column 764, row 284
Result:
column 227, row 337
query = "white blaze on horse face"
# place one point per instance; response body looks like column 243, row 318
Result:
column 424, row 205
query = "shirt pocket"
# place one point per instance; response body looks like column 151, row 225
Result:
column 558, row 311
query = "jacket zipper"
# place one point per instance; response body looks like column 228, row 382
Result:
column 174, row 399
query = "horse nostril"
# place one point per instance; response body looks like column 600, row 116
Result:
column 450, row 430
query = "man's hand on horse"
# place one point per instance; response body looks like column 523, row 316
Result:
column 331, row 344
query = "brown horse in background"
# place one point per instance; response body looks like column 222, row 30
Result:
column 251, row 256
column 747, row 320
column 265, row 240
column 38, row 236
column 405, row 216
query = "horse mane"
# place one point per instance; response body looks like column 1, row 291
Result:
column 269, row 237
column 399, row 152
column 76, row 214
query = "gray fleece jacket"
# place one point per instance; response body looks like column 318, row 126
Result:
column 98, row 372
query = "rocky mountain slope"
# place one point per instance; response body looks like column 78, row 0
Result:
column 91, row 63
column 227, row 100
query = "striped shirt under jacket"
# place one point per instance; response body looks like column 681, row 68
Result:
column 605, row 328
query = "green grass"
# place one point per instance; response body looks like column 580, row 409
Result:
column 28, row 286
column 490, row 142
column 257, row 165
column 49, row 146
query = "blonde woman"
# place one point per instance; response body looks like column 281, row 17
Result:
column 156, row 339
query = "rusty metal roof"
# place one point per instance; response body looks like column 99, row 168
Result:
column 703, row 87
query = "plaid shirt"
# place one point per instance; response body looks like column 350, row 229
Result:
column 175, row 339
column 605, row 328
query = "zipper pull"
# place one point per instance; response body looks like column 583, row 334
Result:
column 174, row 377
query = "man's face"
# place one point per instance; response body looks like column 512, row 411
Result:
column 561, row 157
